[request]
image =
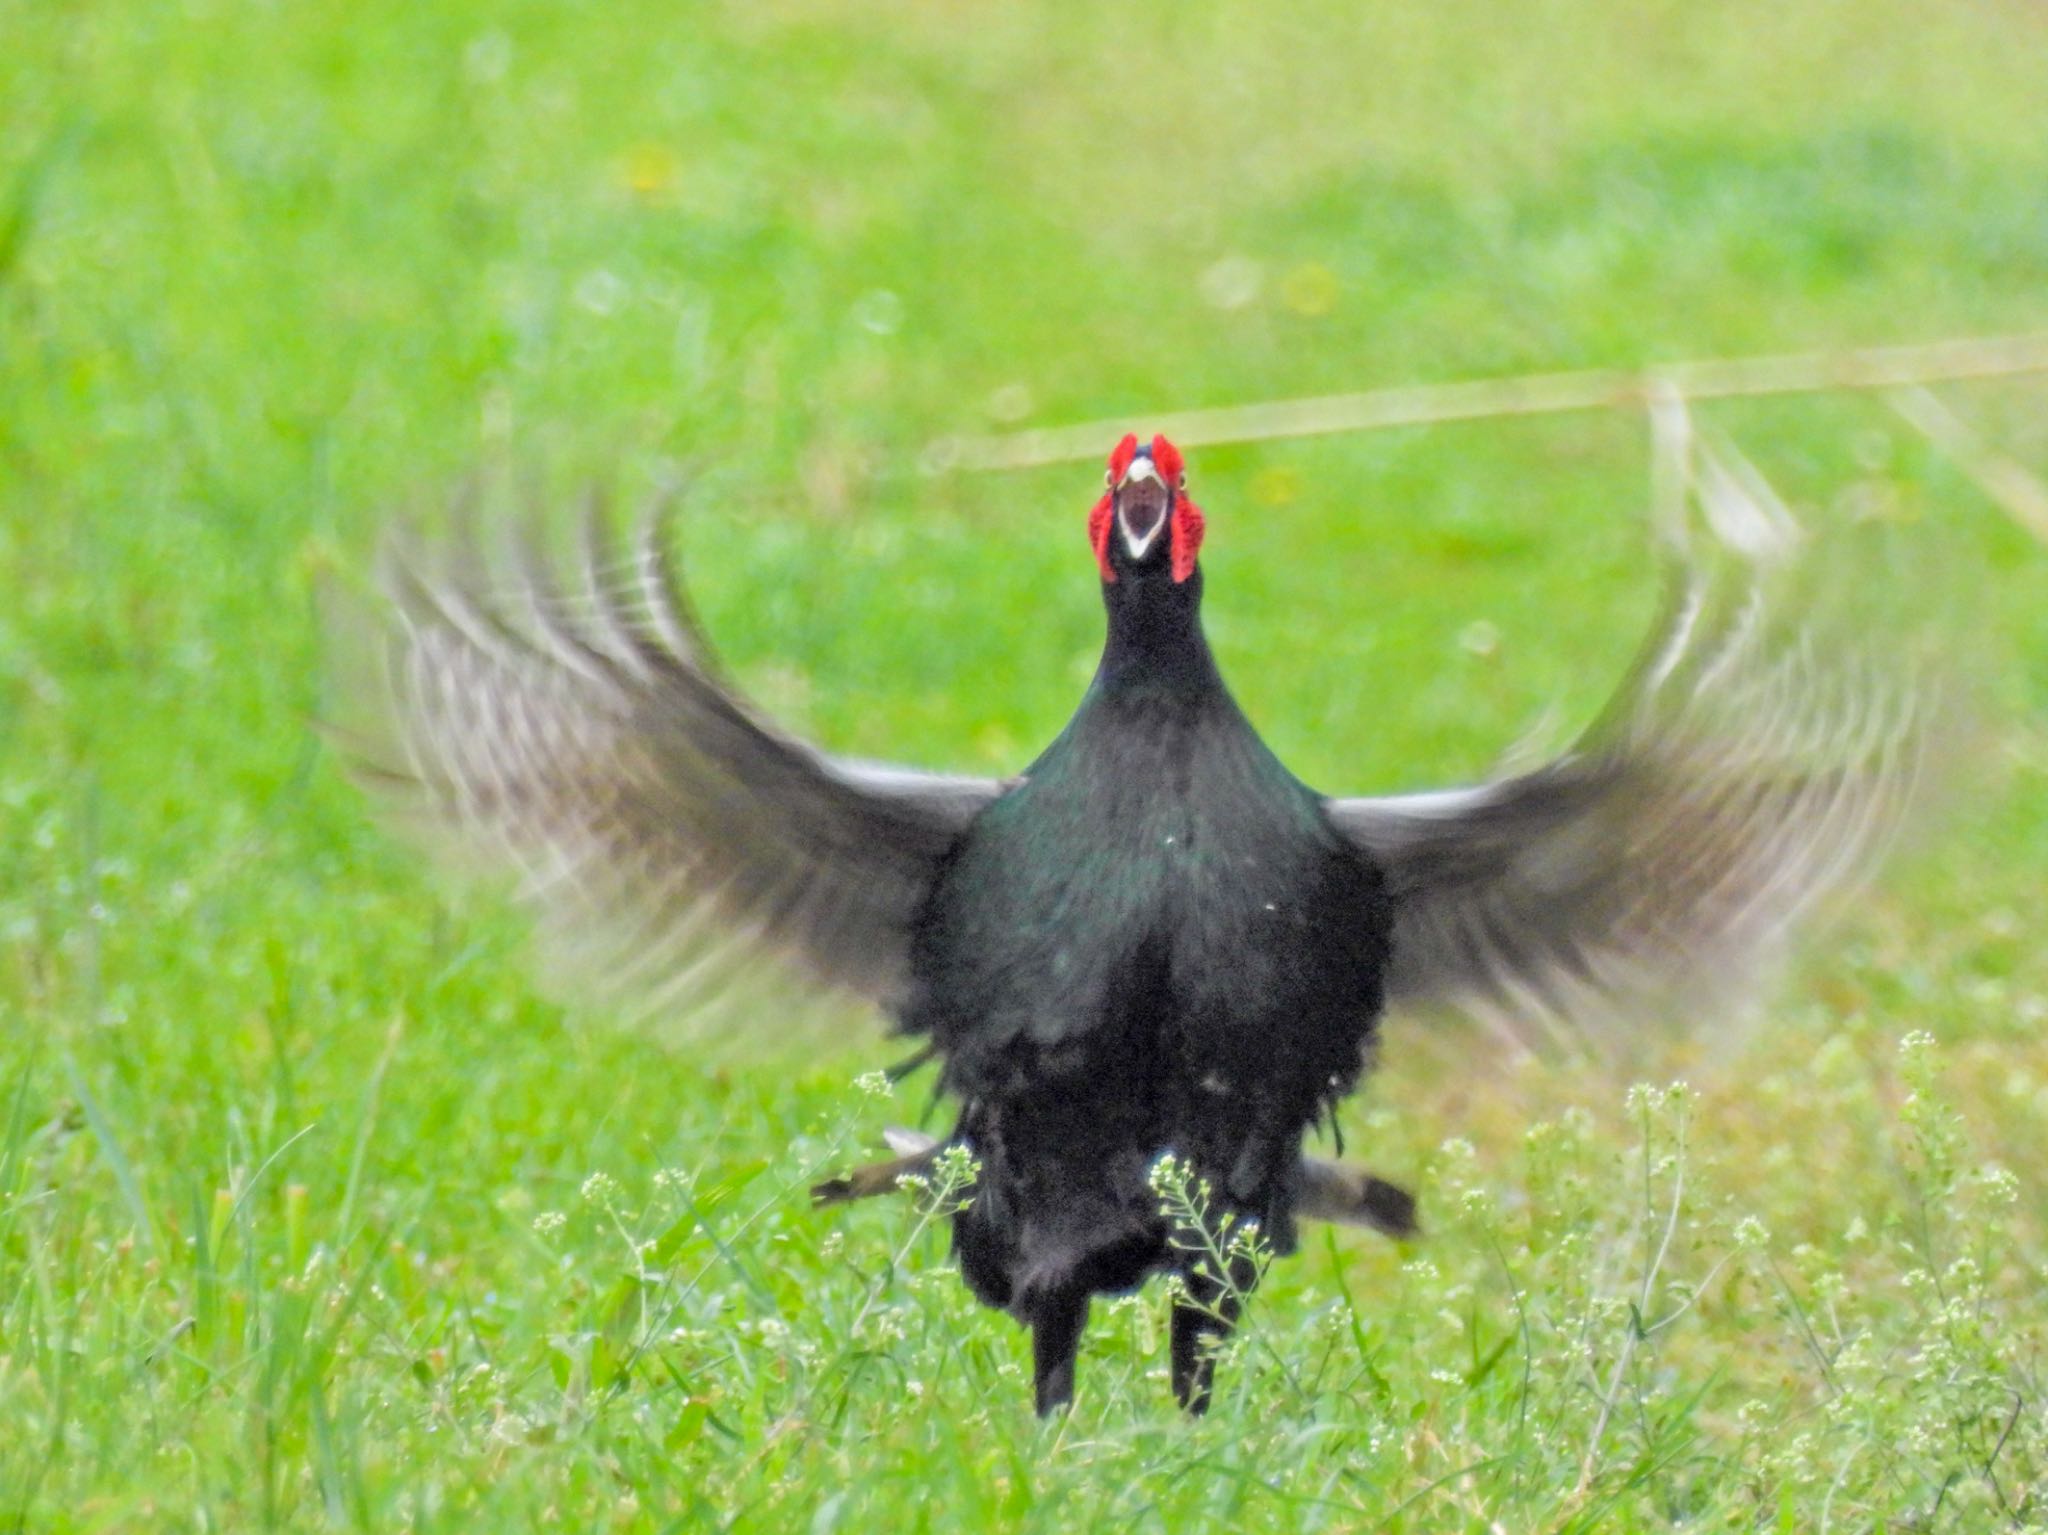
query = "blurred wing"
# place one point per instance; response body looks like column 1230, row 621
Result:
column 582, row 741
column 1748, row 766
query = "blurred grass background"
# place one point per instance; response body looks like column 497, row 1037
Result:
column 297, row 1225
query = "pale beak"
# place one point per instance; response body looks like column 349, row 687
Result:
column 1142, row 502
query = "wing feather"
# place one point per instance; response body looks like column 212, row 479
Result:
column 575, row 735
column 1755, row 759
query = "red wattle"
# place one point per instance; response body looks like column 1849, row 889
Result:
column 1186, row 532
column 1100, row 520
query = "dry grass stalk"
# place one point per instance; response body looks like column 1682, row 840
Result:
column 1888, row 368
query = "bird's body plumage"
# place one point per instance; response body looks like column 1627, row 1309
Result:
column 1156, row 943
column 1156, row 940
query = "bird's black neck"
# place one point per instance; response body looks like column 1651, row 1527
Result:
column 1155, row 637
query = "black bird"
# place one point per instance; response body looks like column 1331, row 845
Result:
column 1156, row 939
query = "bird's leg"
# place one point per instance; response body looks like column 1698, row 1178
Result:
column 1324, row 1191
column 1351, row 1196
column 1057, row 1319
column 875, row 1178
column 1202, row 1319
column 1196, row 1332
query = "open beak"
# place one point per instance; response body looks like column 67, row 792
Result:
column 1142, row 501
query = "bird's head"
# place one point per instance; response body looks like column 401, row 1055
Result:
column 1145, row 520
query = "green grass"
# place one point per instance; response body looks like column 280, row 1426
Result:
column 313, row 1213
